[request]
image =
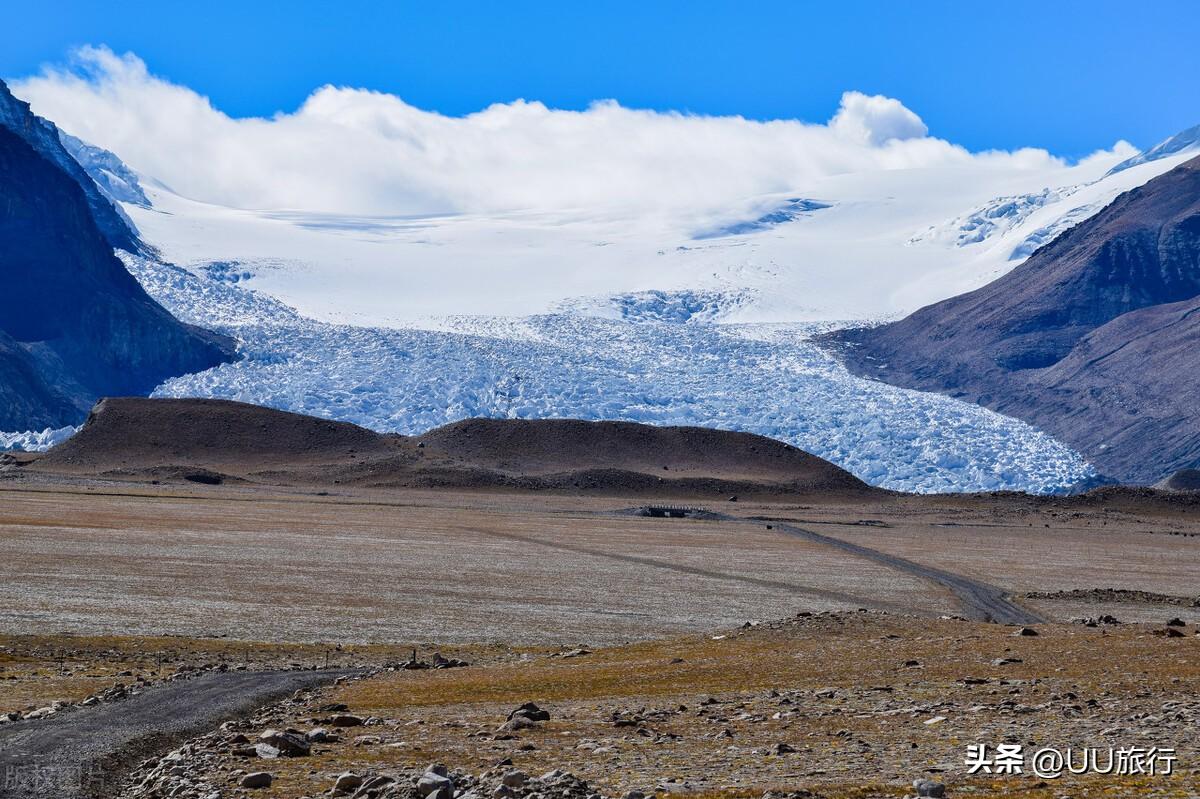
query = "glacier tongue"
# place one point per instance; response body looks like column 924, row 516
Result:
column 762, row 378
column 35, row 440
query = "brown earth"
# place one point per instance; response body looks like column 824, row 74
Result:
column 210, row 441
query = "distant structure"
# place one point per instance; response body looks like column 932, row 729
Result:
column 674, row 511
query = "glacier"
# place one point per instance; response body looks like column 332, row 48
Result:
column 402, row 323
column 766, row 378
column 35, row 440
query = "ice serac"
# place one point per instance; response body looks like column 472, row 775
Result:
column 115, row 180
column 74, row 324
column 1093, row 339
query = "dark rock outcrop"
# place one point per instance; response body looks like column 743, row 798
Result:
column 1093, row 339
column 74, row 324
column 46, row 139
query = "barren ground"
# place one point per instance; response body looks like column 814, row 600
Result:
column 107, row 582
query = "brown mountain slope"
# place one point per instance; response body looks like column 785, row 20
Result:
column 209, row 440
column 1092, row 339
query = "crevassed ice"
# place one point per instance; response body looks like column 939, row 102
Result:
column 35, row 440
column 767, row 379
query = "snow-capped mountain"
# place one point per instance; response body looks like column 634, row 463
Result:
column 859, row 245
column 1186, row 143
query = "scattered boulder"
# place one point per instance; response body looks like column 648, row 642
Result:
column 257, row 779
column 517, row 723
column 440, row 662
column 530, row 711
column 1026, row 631
column 1176, row 622
column 435, row 783
column 929, row 788
column 346, row 720
column 347, row 782
column 514, row 779
column 288, row 743
column 266, row 751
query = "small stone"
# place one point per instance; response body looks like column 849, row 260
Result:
column 530, row 711
column 266, row 751
column 1026, row 631
column 258, row 779
column 434, row 785
column 346, row 720
column 929, row 788
column 518, row 723
column 514, row 779
column 347, row 782
column 288, row 744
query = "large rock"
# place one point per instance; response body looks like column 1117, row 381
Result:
column 288, row 743
column 435, row 783
column 257, row 779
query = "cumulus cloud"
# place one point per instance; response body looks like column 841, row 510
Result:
column 363, row 152
column 876, row 120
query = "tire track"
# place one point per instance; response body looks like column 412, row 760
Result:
column 696, row 571
column 980, row 601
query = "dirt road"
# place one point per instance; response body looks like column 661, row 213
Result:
column 84, row 754
column 979, row 600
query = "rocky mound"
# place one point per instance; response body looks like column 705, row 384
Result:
column 1182, row 480
column 1092, row 339
column 216, row 440
column 231, row 437
column 549, row 446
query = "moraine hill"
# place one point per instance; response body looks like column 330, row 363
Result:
column 222, row 441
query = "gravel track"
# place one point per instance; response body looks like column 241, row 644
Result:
column 85, row 753
column 980, row 601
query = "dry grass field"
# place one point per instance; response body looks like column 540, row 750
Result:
column 849, row 704
column 407, row 568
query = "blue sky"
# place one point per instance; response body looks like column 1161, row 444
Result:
column 1068, row 76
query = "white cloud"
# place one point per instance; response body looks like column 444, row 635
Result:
column 876, row 120
column 363, row 152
